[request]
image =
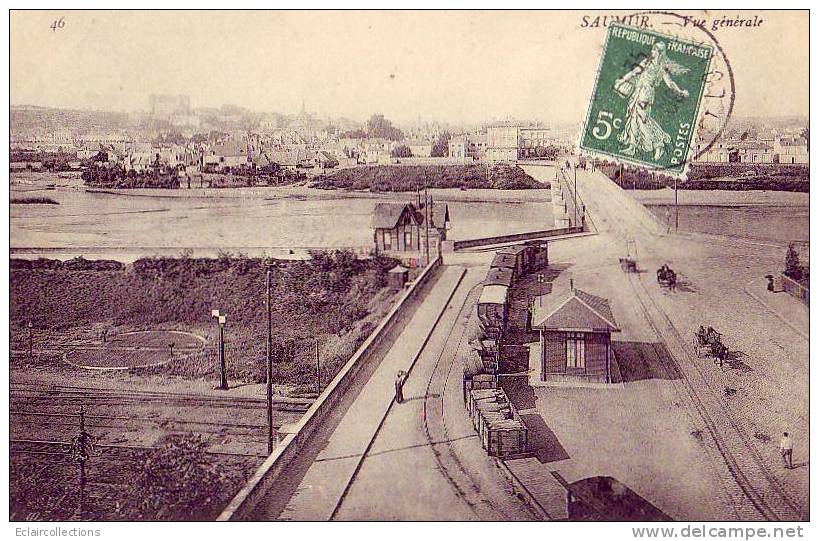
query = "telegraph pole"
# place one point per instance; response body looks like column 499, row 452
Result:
column 575, row 194
column 82, row 445
column 427, row 215
column 676, row 209
column 269, row 364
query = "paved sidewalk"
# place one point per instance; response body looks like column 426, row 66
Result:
column 326, row 480
column 786, row 307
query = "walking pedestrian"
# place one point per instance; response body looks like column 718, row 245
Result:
column 400, row 378
column 786, row 449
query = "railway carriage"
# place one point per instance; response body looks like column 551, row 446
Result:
column 498, row 277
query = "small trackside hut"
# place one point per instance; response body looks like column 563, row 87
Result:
column 575, row 339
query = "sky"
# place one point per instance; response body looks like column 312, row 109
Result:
column 459, row 67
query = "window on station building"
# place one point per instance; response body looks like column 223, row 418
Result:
column 575, row 350
column 387, row 240
column 408, row 238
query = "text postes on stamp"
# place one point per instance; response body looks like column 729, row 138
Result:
column 646, row 99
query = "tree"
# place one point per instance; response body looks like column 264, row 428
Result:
column 379, row 127
column 793, row 267
column 401, row 151
column 806, row 135
column 441, row 147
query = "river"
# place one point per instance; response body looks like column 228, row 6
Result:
column 126, row 227
column 778, row 224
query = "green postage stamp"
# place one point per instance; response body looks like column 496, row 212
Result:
column 646, row 99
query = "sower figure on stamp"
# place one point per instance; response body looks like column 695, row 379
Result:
column 641, row 132
column 400, row 378
column 786, row 449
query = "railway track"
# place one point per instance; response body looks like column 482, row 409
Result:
column 773, row 503
column 464, row 484
column 75, row 395
column 232, row 425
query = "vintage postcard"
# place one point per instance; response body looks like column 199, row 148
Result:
column 375, row 265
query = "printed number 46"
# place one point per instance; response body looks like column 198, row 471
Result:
column 603, row 127
column 58, row 23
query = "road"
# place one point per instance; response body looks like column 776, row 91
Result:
column 765, row 389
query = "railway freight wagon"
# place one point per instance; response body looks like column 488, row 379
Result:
column 527, row 257
column 493, row 310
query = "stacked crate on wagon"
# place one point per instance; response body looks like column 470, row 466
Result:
column 506, row 438
column 478, row 382
column 499, row 427
column 477, row 396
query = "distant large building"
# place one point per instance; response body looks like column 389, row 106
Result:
column 791, row 149
column 510, row 142
column 166, row 105
column 502, row 143
column 468, row 147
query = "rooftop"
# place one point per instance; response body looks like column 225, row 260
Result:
column 573, row 310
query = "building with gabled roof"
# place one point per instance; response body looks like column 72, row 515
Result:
column 575, row 338
column 399, row 227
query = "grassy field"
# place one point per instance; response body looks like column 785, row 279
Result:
column 334, row 298
column 382, row 178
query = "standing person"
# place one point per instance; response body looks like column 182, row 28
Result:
column 400, row 378
column 786, row 449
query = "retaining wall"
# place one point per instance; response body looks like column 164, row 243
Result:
column 500, row 239
column 263, row 480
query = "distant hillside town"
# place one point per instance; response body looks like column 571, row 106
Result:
column 173, row 144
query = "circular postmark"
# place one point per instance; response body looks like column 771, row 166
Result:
column 717, row 102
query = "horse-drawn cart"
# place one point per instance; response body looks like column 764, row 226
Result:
column 710, row 341
column 629, row 263
column 666, row 277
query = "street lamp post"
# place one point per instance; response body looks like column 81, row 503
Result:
column 221, row 319
column 676, row 208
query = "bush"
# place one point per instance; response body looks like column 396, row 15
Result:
column 178, row 481
column 383, row 178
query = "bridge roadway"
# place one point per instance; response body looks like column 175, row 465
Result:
column 421, row 460
column 378, row 463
